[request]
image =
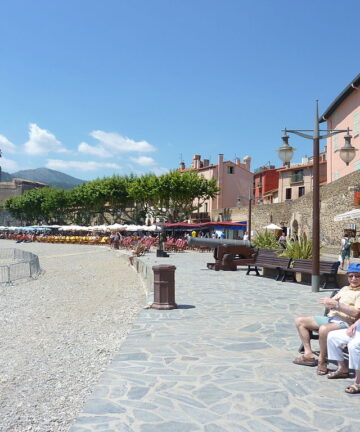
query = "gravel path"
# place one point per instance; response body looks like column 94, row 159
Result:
column 59, row 332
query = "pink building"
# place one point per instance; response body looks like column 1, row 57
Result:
column 233, row 178
column 296, row 180
column 343, row 113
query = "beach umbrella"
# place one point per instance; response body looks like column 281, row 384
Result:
column 273, row 227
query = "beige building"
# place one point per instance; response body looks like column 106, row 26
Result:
column 296, row 180
column 234, row 179
column 14, row 188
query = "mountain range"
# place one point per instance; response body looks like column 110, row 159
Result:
column 44, row 175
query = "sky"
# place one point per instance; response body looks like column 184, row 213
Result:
column 94, row 88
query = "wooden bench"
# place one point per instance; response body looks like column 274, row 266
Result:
column 328, row 269
column 268, row 258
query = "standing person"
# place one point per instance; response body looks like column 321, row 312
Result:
column 111, row 240
column 336, row 340
column 345, row 251
column 282, row 240
column 246, row 236
column 344, row 309
column 117, row 240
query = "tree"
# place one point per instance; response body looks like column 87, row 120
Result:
column 55, row 205
column 27, row 206
column 100, row 197
column 173, row 196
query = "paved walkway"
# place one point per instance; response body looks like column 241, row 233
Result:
column 221, row 362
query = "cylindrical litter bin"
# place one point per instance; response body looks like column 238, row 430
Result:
column 164, row 287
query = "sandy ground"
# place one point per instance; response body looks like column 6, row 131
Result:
column 60, row 331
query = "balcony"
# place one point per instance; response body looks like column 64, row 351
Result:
column 200, row 217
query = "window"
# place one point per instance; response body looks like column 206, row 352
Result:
column 288, row 193
column 297, row 176
column 301, row 191
column 230, row 170
column 356, row 124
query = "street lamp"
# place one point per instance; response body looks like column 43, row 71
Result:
column 249, row 198
column 347, row 154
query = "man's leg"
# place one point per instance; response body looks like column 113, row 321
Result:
column 354, row 362
column 323, row 334
column 304, row 325
column 335, row 341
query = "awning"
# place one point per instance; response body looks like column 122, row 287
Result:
column 352, row 214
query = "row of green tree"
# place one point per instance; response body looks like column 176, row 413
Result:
column 172, row 197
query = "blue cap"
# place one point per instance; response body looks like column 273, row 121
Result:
column 354, row 268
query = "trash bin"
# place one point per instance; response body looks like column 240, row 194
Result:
column 164, row 287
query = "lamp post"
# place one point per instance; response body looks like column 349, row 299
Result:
column 249, row 216
column 347, row 154
column 249, row 198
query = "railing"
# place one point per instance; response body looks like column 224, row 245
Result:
column 202, row 216
column 22, row 265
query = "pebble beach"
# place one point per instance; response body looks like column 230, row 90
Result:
column 60, row 331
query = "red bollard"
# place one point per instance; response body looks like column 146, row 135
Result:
column 164, row 287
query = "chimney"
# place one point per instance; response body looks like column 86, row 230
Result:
column 220, row 158
column 247, row 161
column 206, row 162
column 237, row 161
column 196, row 162
column 182, row 165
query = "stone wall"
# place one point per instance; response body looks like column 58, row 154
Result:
column 335, row 199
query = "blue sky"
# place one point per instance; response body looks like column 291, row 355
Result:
column 92, row 88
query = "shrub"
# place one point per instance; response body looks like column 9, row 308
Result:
column 265, row 239
column 299, row 249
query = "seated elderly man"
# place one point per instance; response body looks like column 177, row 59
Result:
column 336, row 340
column 344, row 309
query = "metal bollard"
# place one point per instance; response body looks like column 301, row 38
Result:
column 164, row 287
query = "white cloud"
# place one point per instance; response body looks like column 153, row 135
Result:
column 42, row 141
column 117, row 143
column 7, row 145
column 9, row 165
column 57, row 164
column 144, row 161
column 93, row 150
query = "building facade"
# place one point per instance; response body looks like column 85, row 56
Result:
column 14, row 188
column 297, row 180
column 343, row 113
column 234, row 179
column 266, row 184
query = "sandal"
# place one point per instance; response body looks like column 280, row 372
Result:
column 338, row 374
column 305, row 361
column 353, row 389
column 322, row 369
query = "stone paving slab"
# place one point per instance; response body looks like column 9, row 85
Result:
column 220, row 362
